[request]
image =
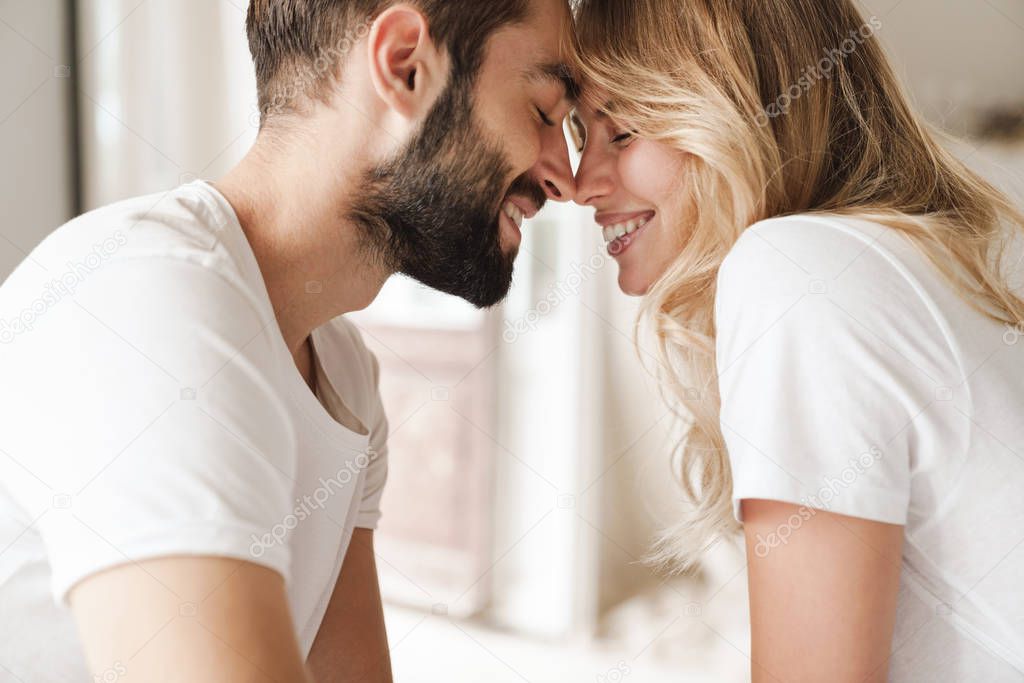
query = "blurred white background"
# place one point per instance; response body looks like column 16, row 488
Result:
column 529, row 451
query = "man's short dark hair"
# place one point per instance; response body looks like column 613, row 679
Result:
column 298, row 46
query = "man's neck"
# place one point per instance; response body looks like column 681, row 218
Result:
column 292, row 212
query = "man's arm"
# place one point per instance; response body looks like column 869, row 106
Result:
column 822, row 604
column 352, row 643
column 188, row 619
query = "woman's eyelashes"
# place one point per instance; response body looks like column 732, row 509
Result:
column 622, row 137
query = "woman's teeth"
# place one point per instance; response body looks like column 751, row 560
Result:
column 613, row 232
column 513, row 212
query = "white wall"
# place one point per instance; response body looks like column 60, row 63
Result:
column 167, row 94
column 36, row 175
column 959, row 57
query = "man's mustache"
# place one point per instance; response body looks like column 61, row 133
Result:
column 526, row 186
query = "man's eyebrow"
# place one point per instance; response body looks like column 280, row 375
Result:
column 558, row 72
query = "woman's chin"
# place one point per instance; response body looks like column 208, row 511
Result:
column 633, row 284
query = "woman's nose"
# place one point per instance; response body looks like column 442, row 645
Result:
column 593, row 178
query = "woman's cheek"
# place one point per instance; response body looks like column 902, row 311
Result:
column 649, row 171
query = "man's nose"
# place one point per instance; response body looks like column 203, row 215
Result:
column 554, row 170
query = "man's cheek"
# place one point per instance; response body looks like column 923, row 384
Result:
column 511, row 130
column 525, row 153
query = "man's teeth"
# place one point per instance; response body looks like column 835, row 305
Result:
column 513, row 212
column 613, row 232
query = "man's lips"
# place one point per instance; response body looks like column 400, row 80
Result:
column 517, row 209
column 526, row 206
column 511, row 234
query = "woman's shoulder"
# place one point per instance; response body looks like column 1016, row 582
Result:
column 823, row 253
column 836, row 275
column 826, row 225
column 803, row 244
column 850, row 286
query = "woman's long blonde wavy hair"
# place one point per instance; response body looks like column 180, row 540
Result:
column 785, row 107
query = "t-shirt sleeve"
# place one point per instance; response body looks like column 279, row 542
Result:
column 150, row 423
column 377, row 472
column 826, row 355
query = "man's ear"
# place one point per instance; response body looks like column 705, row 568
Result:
column 405, row 65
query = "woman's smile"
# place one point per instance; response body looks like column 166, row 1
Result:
column 621, row 230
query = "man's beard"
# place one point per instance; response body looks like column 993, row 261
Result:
column 432, row 212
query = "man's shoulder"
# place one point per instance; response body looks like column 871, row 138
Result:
column 189, row 222
column 188, row 225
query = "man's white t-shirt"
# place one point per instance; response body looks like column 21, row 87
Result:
column 150, row 407
column 854, row 379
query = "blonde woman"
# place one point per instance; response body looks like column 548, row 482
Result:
column 839, row 307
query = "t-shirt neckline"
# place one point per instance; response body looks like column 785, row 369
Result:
column 299, row 391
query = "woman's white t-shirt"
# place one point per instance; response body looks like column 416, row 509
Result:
column 151, row 407
column 854, row 379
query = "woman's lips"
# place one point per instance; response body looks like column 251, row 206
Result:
column 621, row 230
column 604, row 218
